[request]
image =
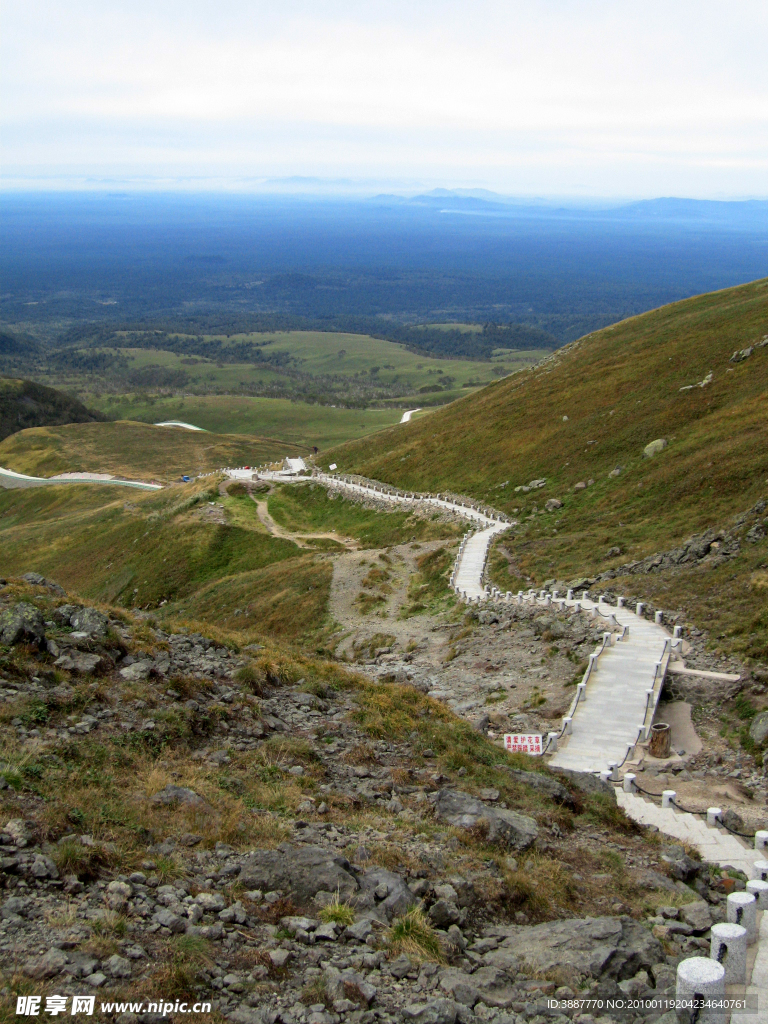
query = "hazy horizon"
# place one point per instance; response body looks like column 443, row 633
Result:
column 558, row 100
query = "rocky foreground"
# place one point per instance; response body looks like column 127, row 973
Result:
column 290, row 842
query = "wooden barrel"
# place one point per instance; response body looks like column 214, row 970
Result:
column 661, row 738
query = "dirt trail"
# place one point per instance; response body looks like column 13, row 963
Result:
column 300, row 539
column 424, row 631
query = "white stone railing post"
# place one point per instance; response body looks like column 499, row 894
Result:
column 760, row 870
column 759, row 890
column 741, row 908
column 761, row 841
column 629, row 782
column 714, row 814
column 668, row 798
column 700, row 978
column 728, row 946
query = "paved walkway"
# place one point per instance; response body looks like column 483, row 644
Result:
column 715, row 845
column 468, row 573
column 616, row 704
column 758, row 986
column 179, row 423
column 406, row 417
column 10, row 479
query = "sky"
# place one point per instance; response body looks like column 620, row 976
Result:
column 588, row 99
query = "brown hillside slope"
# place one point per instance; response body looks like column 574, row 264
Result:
column 135, row 450
column 591, row 409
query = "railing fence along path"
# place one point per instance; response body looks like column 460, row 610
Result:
column 616, row 702
column 467, row 578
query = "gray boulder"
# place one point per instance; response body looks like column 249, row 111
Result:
column 697, row 915
column 758, row 730
column 302, row 871
column 487, row 984
column 435, row 1011
column 180, row 795
column 398, row 900
column 137, row 671
column 604, row 948
column 461, row 810
column 46, row 966
column 82, row 663
column 89, row 620
column 544, row 784
column 588, row 784
column 21, row 621
column 654, row 448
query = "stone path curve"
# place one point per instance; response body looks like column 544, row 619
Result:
column 181, row 424
column 11, row 479
column 620, row 690
column 715, row 845
column 406, row 417
column 467, row 578
column 614, row 704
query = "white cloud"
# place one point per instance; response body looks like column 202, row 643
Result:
column 607, row 97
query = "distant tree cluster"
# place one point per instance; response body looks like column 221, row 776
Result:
column 25, row 404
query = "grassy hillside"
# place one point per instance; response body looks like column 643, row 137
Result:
column 26, row 404
column 298, row 422
column 135, row 450
column 586, row 414
column 312, row 507
column 164, row 551
column 318, row 367
column 190, row 552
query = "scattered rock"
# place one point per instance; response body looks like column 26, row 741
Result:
column 596, row 947
column 90, row 621
column 82, row 663
column 180, row 795
column 435, row 1011
column 464, row 811
column 758, row 730
column 654, row 447
column 47, row 966
column 21, row 621
column 300, row 870
column 137, row 671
